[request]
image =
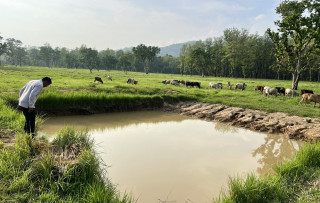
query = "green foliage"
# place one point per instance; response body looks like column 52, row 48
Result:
column 146, row 54
column 296, row 38
column 89, row 57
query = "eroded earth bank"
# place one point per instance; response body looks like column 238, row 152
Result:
column 294, row 127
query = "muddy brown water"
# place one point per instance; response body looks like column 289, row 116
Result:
column 165, row 157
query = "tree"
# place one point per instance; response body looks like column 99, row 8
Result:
column 298, row 29
column 146, row 54
column 109, row 61
column 89, row 57
column 21, row 54
column 46, row 54
column 12, row 50
column 3, row 48
column 182, row 59
column 125, row 63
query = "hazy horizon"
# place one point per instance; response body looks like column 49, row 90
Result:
column 117, row 24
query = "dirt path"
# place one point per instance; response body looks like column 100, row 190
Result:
column 294, row 127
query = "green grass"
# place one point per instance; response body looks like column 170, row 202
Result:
column 297, row 180
column 69, row 170
column 73, row 88
column 65, row 170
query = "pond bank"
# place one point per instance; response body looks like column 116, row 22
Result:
column 294, row 127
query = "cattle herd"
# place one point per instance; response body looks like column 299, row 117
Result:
column 307, row 95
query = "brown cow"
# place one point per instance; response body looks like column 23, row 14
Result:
column 98, row 79
column 314, row 98
column 260, row 88
column 305, row 98
column 229, row 85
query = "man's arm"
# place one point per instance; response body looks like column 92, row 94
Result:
column 22, row 90
column 34, row 95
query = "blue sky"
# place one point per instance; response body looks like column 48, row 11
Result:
column 117, row 24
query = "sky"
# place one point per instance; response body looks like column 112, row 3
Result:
column 117, row 24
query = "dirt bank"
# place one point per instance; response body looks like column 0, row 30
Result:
column 294, row 127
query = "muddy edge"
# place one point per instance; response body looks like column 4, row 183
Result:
column 295, row 127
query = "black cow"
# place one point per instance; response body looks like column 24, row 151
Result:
column 281, row 90
column 306, row 91
column 192, row 84
column 98, row 79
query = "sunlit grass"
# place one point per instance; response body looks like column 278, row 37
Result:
column 75, row 88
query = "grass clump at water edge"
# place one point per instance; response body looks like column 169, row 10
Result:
column 65, row 170
column 294, row 181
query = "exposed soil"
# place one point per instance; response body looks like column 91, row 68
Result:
column 7, row 137
column 294, row 127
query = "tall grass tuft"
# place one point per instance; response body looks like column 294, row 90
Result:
column 68, row 138
column 66, row 170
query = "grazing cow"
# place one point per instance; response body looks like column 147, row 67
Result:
column 129, row 81
column 197, row 84
column 98, row 79
column 132, row 81
column 183, row 82
column 314, row 98
column 192, row 84
column 291, row 92
column 175, row 82
column 215, row 85
column 166, row 82
column 260, row 88
column 240, row 86
column 229, row 85
column 281, row 90
column 109, row 78
column 270, row 91
column 306, row 91
column 305, row 98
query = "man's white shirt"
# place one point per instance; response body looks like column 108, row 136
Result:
column 29, row 93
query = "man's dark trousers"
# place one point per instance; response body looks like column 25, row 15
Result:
column 30, row 123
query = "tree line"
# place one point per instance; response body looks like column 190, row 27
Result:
column 141, row 58
column 291, row 52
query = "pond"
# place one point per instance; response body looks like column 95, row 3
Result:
column 158, row 156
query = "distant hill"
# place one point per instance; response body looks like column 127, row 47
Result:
column 173, row 49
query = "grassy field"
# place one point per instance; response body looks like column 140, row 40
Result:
column 68, row 169
column 75, row 88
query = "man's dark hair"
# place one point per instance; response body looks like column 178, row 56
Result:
column 47, row 79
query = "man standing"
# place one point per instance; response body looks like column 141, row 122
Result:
column 27, row 99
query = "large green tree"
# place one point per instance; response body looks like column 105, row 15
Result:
column 146, row 54
column 46, row 54
column 298, row 29
column 89, row 57
column 12, row 50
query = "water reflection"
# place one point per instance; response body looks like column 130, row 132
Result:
column 109, row 121
column 275, row 150
column 222, row 127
